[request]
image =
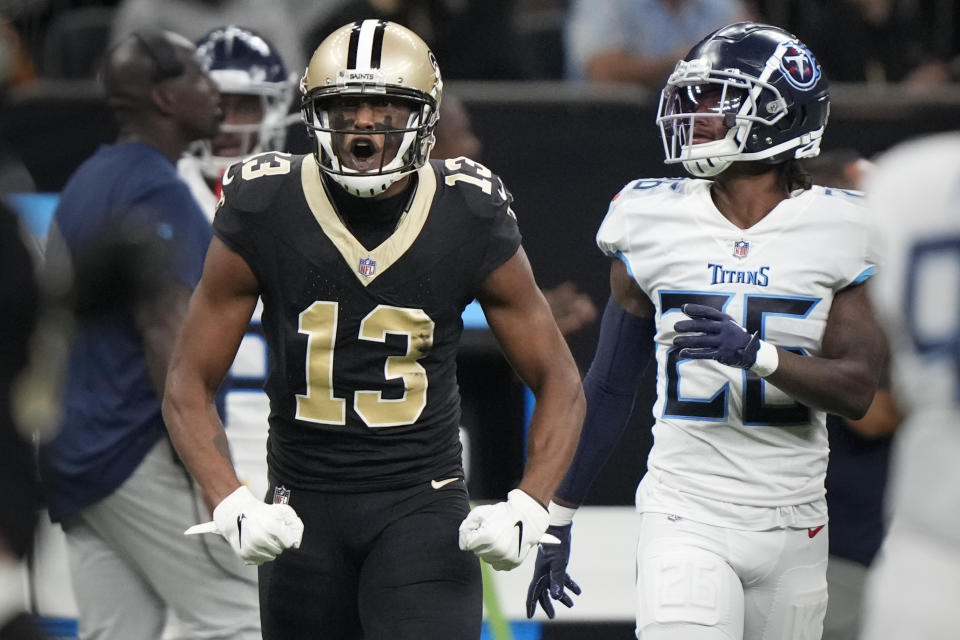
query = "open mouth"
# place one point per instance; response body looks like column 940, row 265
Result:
column 362, row 149
column 363, row 155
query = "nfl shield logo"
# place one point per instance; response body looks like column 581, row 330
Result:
column 281, row 495
column 740, row 248
column 368, row 266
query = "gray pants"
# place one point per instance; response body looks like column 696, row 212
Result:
column 132, row 568
column 845, row 581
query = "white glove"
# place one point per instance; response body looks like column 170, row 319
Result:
column 503, row 534
column 258, row 532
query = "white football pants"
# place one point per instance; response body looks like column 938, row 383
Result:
column 703, row 582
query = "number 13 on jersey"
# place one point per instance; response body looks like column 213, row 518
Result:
column 319, row 404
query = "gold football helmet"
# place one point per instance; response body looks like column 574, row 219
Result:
column 371, row 95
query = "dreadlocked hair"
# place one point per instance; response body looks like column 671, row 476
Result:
column 793, row 176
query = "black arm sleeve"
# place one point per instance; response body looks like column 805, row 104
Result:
column 611, row 384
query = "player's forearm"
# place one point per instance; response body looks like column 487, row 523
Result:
column 199, row 438
column 607, row 416
column 554, row 434
column 842, row 386
column 623, row 351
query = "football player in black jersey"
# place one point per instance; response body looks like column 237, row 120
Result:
column 365, row 255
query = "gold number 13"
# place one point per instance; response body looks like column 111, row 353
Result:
column 319, row 322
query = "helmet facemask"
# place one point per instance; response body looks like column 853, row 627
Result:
column 264, row 133
column 695, row 98
column 366, row 141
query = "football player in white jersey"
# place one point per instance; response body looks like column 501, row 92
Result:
column 256, row 92
column 914, row 201
column 744, row 283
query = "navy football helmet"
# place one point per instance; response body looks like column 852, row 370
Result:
column 242, row 62
column 762, row 82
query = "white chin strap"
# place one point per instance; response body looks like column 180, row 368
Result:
column 706, row 168
column 367, row 186
column 710, row 158
column 805, row 146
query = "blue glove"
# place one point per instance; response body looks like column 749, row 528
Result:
column 550, row 575
column 715, row 336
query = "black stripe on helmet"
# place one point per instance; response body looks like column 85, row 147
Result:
column 377, row 48
column 354, row 45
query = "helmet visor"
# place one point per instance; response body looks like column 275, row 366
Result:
column 708, row 98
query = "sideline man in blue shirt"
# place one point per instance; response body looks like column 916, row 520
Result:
column 137, row 239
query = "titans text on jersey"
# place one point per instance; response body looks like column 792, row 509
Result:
column 362, row 342
column 719, row 274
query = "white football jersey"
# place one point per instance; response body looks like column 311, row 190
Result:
column 247, row 404
column 189, row 169
column 914, row 197
column 729, row 446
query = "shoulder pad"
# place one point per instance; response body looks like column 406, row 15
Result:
column 841, row 203
column 482, row 190
column 658, row 188
column 659, row 185
column 847, row 194
column 253, row 183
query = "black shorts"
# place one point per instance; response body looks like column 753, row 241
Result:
column 375, row 566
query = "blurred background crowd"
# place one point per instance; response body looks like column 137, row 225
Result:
column 916, row 42
column 556, row 96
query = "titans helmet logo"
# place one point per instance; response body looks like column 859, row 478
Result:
column 799, row 66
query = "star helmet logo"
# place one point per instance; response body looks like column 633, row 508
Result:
column 741, row 248
column 799, row 66
column 367, row 267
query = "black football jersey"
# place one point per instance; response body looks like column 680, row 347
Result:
column 363, row 343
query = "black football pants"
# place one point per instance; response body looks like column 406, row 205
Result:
column 373, row 566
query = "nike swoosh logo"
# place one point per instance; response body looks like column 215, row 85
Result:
column 814, row 530
column 240, row 530
column 519, row 525
column 227, row 178
column 439, row 484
